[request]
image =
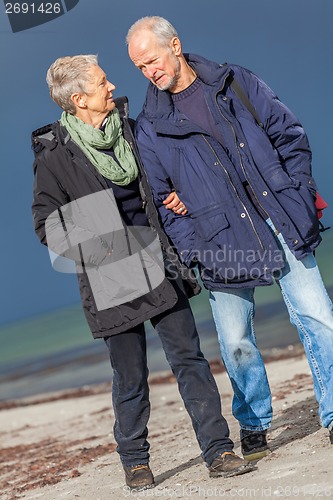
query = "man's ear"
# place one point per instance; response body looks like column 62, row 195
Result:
column 176, row 46
column 79, row 100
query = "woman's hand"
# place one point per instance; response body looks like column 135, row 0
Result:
column 172, row 202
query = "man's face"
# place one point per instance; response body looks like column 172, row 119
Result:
column 158, row 63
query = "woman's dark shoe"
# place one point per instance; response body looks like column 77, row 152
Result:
column 139, row 477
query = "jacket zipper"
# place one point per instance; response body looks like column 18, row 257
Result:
column 235, row 190
column 240, row 158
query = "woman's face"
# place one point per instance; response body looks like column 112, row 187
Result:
column 98, row 95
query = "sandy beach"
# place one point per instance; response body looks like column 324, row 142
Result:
column 61, row 446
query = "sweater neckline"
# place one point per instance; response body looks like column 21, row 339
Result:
column 188, row 91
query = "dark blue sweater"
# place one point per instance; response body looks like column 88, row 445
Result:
column 128, row 199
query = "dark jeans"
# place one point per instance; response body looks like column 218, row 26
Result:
column 130, row 391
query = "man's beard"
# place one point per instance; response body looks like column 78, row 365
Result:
column 172, row 80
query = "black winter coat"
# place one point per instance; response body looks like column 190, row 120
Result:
column 62, row 174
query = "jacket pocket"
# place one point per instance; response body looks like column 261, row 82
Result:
column 278, row 180
column 209, row 221
column 294, row 195
column 299, row 203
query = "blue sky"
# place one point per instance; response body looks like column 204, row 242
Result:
column 288, row 43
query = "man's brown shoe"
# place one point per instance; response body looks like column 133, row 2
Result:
column 139, row 477
column 229, row 464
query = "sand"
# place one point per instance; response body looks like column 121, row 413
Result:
column 61, row 445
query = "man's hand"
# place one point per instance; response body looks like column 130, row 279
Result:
column 172, row 202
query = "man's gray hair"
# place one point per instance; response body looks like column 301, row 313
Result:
column 162, row 29
column 69, row 75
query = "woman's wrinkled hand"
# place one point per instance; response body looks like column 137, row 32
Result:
column 172, row 202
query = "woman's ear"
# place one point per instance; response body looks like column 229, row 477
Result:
column 79, row 100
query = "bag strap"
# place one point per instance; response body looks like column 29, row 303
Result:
column 243, row 97
column 239, row 91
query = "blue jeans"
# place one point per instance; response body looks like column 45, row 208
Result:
column 130, row 391
column 310, row 310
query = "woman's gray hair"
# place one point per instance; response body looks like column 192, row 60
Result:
column 162, row 29
column 69, row 75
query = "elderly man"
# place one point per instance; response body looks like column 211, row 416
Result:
column 241, row 163
column 92, row 204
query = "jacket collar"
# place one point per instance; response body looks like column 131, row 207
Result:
column 159, row 105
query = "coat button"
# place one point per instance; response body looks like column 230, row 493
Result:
column 243, row 215
column 241, row 145
column 295, row 242
column 224, row 98
column 264, row 193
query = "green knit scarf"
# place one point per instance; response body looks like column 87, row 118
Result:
column 91, row 139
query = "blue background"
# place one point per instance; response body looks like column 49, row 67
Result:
column 287, row 43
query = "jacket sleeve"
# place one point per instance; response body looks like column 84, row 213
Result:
column 284, row 130
column 60, row 225
column 48, row 195
column 179, row 228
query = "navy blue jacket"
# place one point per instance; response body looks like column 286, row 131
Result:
column 223, row 231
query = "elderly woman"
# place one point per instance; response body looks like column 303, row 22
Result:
column 92, row 204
